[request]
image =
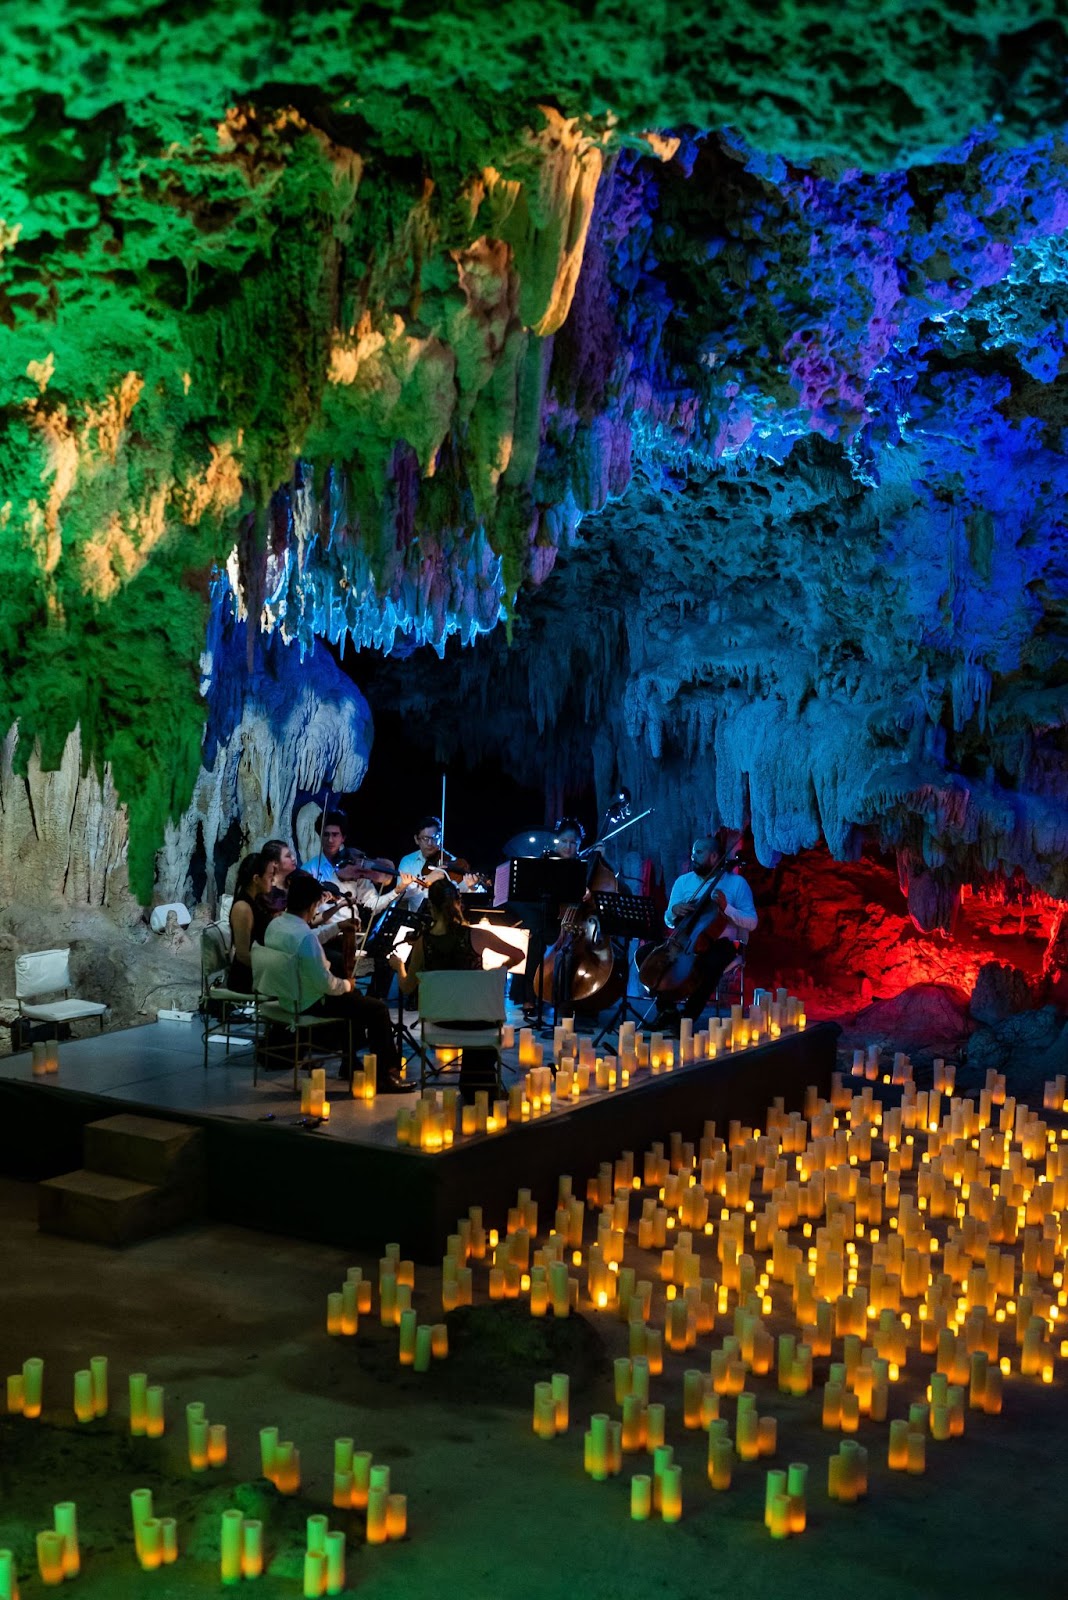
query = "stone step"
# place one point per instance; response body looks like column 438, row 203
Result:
column 108, row 1210
column 146, row 1150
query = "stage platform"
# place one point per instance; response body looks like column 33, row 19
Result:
column 347, row 1182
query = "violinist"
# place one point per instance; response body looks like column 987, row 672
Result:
column 331, row 865
column 735, row 898
column 429, row 861
column 428, row 848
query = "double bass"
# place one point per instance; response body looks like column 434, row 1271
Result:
column 581, row 941
column 671, row 970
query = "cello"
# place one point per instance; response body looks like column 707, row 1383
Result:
column 671, row 970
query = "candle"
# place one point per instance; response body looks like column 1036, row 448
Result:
column 32, row 1385
column 154, row 1423
column 98, row 1367
column 641, row 1497
column 314, row 1574
column 335, row 1562
column 217, row 1444
column 151, row 1551
column 268, row 1452
column 251, row 1548
column 168, row 1529
column 66, row 1525
column 50, row 1557
column 84, row 1409
column 138, row 1403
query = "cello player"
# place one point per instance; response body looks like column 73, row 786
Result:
column 736, row 900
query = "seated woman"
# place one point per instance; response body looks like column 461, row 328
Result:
column 450, row 945
column 250, row 916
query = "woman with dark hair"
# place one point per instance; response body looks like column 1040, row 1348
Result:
column 451, row 945
column 250, row 915
column 281, row 863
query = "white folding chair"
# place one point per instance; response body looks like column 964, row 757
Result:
column 47, row 972
column 276, row 983
column 221, row 1006
column 446, row 998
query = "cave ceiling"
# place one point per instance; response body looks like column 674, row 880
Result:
column 699, row 373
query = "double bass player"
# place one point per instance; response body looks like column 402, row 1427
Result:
column 713, row 877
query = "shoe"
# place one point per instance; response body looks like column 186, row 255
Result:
column 392, row 1085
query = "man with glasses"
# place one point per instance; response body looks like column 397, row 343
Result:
column 428, row 844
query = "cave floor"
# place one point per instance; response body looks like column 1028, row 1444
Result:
column 236, row 1320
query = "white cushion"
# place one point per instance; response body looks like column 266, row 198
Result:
column 158, row 920
column 42, row 972
column 64, row 1010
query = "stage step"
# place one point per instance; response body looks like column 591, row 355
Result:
column 145, row 1150
column 142, row 1176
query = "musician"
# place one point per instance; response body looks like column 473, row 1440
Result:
column 281, row 863
column 427, row 848
column 250, row 917
column 569, row 837
column 735, row 898
column 450, row 944
column 331, row 865
column 316, row 989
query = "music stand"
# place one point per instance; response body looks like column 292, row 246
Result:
column 395, row 920
column 627, row 917
column 551, row 882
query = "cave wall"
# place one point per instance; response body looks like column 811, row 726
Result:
column 752, row 438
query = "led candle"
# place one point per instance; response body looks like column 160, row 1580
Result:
column 8, row 1581
column 251, row 1548
column 66, row 1524
column 168, row 1529
column 141, row 1511
column 671, row 1493
column 151, row 1551
column 559, row 1389
column 396, row 1516
column 774, row 1487
column 50, row 1557
column 286, row 1467
column 377, row 1507
column 197, row 1428
column 32, row 1385
column 314, row 1574
column 230, row 1546
column 138, row 1403
column 217, row 1444
column 362, row 1463
column 84, row 1410
column 98, row 1367
column 154, row 1423
column 268, row 1452
column 15, row 1394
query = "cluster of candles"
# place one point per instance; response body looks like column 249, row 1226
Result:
column 58, row 1556
column 313, row 1101
column 848, row 1253
column 206, row 1440
column 44, row 1057
column 360, row 1485
column 434, row 1122
column 155, row 1538
column 1053, row 1094
column 241, row 1553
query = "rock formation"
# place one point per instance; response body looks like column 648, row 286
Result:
column 717, row 358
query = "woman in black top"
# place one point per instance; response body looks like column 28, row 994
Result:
column 250, row 915
column 450, row 945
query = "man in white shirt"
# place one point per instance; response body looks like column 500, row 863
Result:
column 735, row 899
column 310, row 985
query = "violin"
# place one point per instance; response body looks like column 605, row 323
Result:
column 455, row 868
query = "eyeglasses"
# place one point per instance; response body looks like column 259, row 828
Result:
column 428, row 838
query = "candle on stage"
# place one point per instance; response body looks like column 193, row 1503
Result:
column 138, row 1403
column 141, row 1512
column 198, row 1436
column 378, row 1506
